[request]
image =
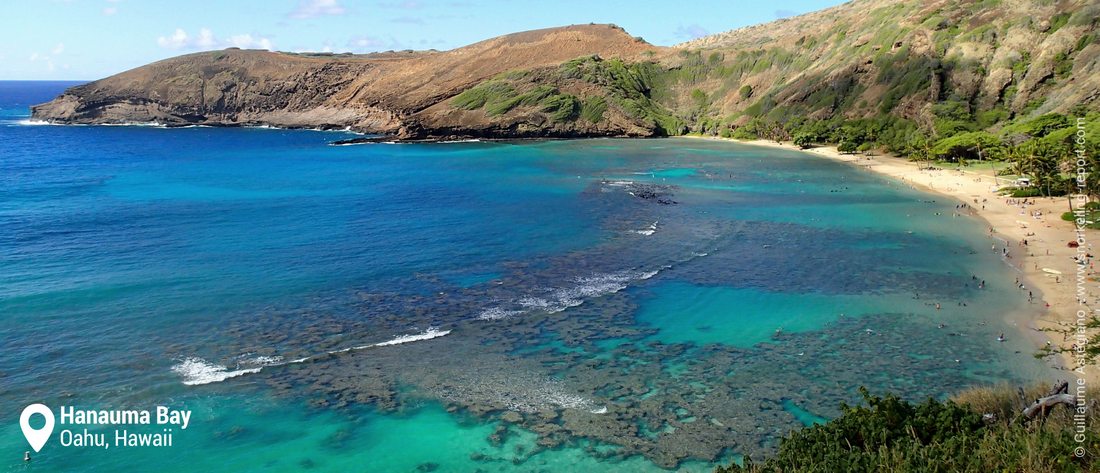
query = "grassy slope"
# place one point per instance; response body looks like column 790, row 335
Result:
column 940, row 67
column 998, row 59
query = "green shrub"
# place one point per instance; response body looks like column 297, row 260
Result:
column 482, row 94
column 804, row 140
column 562, row 108
column 593, row 108
column 1063, row 65
column 1039, row 126
column 890, row 434
column 847, row 147
column 968, row 146
column 1021, row 192
column 629, row 87
column 1090, row 216
column 1058, row 22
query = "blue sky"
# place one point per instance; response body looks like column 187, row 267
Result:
column 89, row 39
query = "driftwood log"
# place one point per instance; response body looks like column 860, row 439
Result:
column 1042, row 406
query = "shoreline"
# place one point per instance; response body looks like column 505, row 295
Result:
column 1039, row 223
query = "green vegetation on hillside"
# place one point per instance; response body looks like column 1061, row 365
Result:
column 890, row 434
column 629, row 87
column 625, row 86
column 498, row 97
column 1043, row 148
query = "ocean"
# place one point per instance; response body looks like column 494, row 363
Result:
column 587, row 305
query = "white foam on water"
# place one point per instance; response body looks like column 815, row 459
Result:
column 496, row 313
column 619, row 183
column 34, row 122
column 535, row 303
column 429, row 334
column 138, row 124
column 560, row 299
column 651, row 229
column 196, row 371
column 264, row 360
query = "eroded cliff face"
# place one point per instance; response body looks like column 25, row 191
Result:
column 223, row 88
column 992, row 61
column 403, row 94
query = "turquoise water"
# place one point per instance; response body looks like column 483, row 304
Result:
column 596, row 305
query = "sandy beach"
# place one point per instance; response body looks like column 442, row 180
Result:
column 1046, row 262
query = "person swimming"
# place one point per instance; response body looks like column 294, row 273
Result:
column 1001, row 337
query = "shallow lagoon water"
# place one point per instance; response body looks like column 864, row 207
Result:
column 614, row 304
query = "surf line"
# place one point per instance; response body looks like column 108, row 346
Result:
column 197, row 371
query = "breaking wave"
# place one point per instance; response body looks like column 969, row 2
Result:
column 558, row 299
column 196, row 371
column 651, row 229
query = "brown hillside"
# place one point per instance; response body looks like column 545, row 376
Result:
column 938, row 65
column 372, row 93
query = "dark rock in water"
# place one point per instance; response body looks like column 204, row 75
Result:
column 591, row 372
column 658, row 193
column 512, row 416
column 363, row 140
column 426, row 467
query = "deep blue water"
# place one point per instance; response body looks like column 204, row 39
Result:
column 647, row 289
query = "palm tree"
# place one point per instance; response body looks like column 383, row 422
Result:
column 1040, row 161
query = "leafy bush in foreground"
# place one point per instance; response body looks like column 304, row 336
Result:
column 890, row 434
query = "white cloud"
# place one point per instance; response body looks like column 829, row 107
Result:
column 403, row 5
column 691, row 31
column 60, row 48
column 178, row 40
column 206, row 39
column 314, row 8
column 246, row 41
column 110, row 11
column 35, row 57
column 366, row 44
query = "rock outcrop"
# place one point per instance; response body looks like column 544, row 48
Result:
column 984, row 62
column 389, row 93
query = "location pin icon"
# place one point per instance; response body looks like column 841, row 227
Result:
column 36, row 437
